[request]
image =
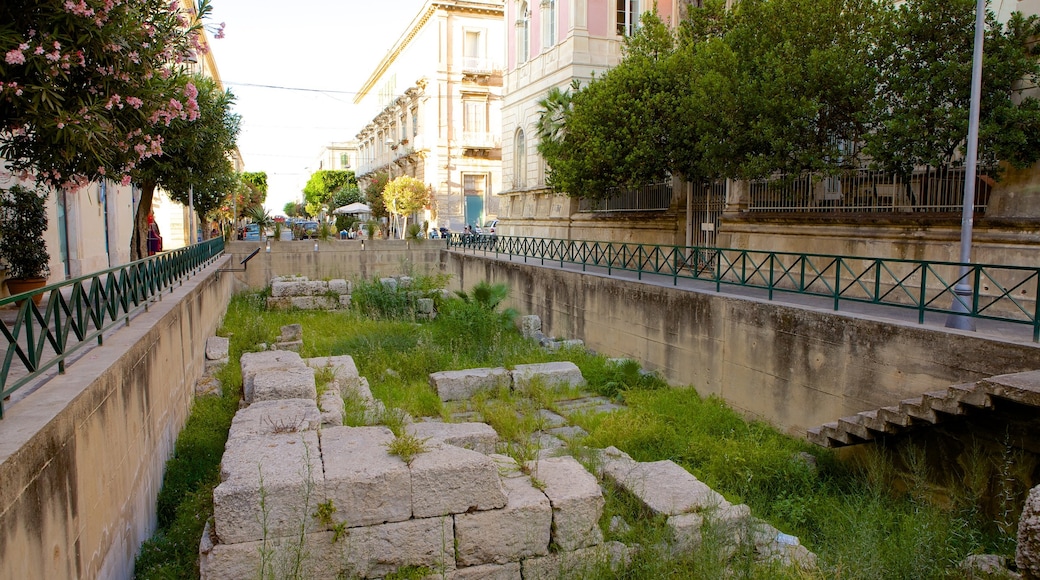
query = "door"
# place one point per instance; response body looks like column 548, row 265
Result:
column 473, row 187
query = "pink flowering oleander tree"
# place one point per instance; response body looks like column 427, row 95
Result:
column 87, row 85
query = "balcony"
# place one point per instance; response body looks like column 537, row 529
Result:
column 477, row 65
column 480, row 140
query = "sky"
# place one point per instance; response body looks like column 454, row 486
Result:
column 327, row 47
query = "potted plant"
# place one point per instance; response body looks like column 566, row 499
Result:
column 23, row 220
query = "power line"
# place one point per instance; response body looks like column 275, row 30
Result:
column 281, row 88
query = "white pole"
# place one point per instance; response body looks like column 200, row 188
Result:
column 191, row 214
column 962, row 291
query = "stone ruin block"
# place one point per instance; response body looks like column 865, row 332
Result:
column 365, row 483
column 530, row 325
column 275, row 416
column 510, row 571
column 729, row 522
column 663, row 486
column 290, row 332
column 552, row 375
column 259, row 363
column 332, row 409
column 280, row 289
column 340, row 286
column 576, row 499
column 479, row 437
column 1027, row 554
column 452, row 480
column 405, row 281
column 344, row 301
column 217, row 348
column 389, row 283
column 294, row 346
column 345, row 376
column 318, row 302
column 375, row 551
column 242, row 561
column 577, row 563
column 459, row 385
column 286, row 469
column 285, row 383
column 521, row 529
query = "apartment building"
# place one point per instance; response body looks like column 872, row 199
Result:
column 438, row 96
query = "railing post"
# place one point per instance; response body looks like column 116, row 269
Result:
column 924, row 294
column 772, row 261
column 1036, row 308
column 837, row 283
column 877, row 282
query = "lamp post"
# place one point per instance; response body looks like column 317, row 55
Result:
column 962, row 291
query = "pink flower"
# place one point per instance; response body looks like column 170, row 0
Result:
column 125, row 181
column 134, row 102
column 61, row 125
column 190, row 91
column 14, row 56
column 101, row 170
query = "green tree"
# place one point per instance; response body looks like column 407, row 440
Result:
column 86, row 89
column 346, row 195
column 925, row 59
column 291, row 209
column 374, row 194
column 323, row 184
column 404, row 196
column 196, row 157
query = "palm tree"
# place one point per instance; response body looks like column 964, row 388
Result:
column 554, row 108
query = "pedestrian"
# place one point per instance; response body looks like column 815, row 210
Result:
column 154, row 237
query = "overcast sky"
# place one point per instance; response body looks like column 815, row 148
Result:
column 324, row 45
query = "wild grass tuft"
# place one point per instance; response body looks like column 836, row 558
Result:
column 407, row 447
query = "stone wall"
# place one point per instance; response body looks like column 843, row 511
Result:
column 82, row 458
column 795, row 367
column 334, row 259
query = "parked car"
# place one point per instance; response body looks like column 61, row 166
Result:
column 251, row 233
column 308, row 230
column 490, row 227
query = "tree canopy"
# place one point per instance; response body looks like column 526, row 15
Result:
column 792, row 86
column 374, row 194
column 404, row 196
column 323, row 185
column 87, row 88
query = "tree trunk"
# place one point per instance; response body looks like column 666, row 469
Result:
column 139, row 239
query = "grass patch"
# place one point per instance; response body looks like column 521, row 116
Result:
column 406, row 446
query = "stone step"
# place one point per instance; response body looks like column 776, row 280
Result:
column 970, row 394
column 853, row 425
column 917, row 409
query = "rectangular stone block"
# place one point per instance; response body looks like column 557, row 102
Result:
column 217, row 348
column 340, row 286
column 577, row 563
column 332, row 409
column 286, row 383
column 552, row 375
column 577, row 502
column 314, row 557
column 375, row 551
column 291, row 332
column 283, row 472
column 530, row 325
column 365, row 483
column 452, row 480
column 479, row 437
column 345, row 373
column 254, row 363
column 287, row 288
column 276, row 416
column 664, row 487
column 510, row 571
column 458, row 385
column 344, row 301
column 519, row 530
column 317, row 302
column 729, row 522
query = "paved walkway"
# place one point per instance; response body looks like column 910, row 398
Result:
column 1021, row 333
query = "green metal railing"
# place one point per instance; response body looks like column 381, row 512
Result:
column 81, row 310
column 1000, row 293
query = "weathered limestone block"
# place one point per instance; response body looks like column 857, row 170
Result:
column 510, row 571
column 576, row 499
column 406, row 281
column 729, row 523
column 275, row 416
column 530, row 325
column 287, row 383
column 458, row 385
column 254, row 363
column 345, row 374
column 286, row 469
column 340, row 286
column 552, row 375
column 366, row 484
column 577, row 563
column 375, row 551
column 519, row 530
column 217, row 348
column 291, row 332
column 479, row 437
column 424, row 306
column 771, row 545
column 332, row 409
column 1028, row 554
column 279, row 303
column 294, row 345
column 317, row 302
column 452, row 480
column 664, row 486
column 243, row 560
column 344, row 301
column 389, row 283
column 286, row 288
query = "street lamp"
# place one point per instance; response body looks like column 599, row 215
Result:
column 962, row 292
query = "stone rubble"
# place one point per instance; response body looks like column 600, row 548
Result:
column 295, row 482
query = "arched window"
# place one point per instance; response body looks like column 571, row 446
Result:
column 523, row 33
column 519, row 160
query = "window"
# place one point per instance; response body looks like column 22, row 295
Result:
column 548, row 23
column 473, row 50
column 404, row 128
column 415, row 122
column 627, row 17
column 344, row 161
column 475, row 115
column 519, row 160
column 523, row 31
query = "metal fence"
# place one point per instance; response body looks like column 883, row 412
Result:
column 651, row 197
column 930, row 190
column 80, row 310
column 1001, row 293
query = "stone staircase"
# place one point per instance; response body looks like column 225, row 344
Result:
column 929, row 409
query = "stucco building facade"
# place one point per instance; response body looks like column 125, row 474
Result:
column 438, row 95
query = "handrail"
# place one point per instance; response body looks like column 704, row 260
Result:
column 999, row 292
column 82, row 309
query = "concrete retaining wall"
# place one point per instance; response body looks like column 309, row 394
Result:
column 82, row 458
column 334, row 259
column 795, row 367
